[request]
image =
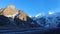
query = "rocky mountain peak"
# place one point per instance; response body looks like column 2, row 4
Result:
column 11, row 15
column 10, row 11
column 22, row 15
column 11, row 6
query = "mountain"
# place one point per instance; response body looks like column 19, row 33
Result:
column 39, row 14
column 24, row 20
column 13, row 17
column 22, row 15
column 48, row 20
column 10, row 11
column 3, row 20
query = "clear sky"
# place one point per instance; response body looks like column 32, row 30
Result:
column 33, row 7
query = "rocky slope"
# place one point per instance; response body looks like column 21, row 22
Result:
column 11, row 16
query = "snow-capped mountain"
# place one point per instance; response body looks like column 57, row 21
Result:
column 11, row 16
column 51, row 19
column 38, row 15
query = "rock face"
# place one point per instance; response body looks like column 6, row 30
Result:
column 10, row 11
column 1, row 11
column 22, row 15
column 24, row 20
column 18, row 18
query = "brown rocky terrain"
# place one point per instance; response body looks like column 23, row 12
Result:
column 22, row 15
column 1, row 11
column 16, row 17
column 10, row 11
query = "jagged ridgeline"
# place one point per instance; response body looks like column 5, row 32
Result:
column 10, row 16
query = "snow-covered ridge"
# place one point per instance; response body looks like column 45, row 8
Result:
column 39, row 14
column 52, row 19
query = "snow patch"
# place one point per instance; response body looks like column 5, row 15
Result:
column 51, row 12
column 39, row 14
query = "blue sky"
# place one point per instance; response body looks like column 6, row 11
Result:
column 33, row 7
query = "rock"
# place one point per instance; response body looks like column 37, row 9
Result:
column 23, row 20
column 3, row 20
column 1, row 11
column 22, row 15
column 15, row 17
column 10, row 11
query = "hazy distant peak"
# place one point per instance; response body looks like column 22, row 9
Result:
column 30, row 16
column 39, row 14
column 51, row 12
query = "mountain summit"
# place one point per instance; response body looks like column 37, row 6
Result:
column 16, row 17
column 22, row 15
column 10, row 11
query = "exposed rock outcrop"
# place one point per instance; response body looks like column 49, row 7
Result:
column 10, row 11
column 16, row 17
column 1, row 11
column 23, row 19
column 21, row 15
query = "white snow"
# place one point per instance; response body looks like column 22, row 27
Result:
column 51, row 12
column 30, row 16
column 39, row 14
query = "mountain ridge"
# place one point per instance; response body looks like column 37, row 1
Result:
column 16, row 17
